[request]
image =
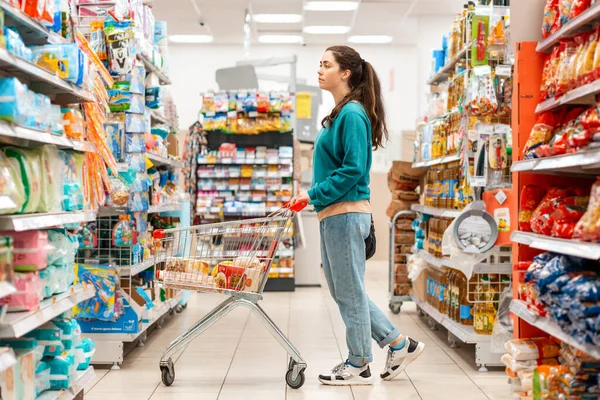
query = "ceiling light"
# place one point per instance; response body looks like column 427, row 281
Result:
column 327, row 30
column 191, row 38
column 296, row 39
column 331, row 5
column 277, row 18
column 375, row 39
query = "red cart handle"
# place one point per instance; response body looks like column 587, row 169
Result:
column 301, row 205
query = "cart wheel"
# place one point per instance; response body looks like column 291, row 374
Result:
column 178, row 309
column 295, row 383
column 168, row 377
column 395, row 307
column 184, row 306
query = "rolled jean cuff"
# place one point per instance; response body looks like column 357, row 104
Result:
column 359, row 361
column 389, row 338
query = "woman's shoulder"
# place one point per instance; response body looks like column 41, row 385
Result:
column 353, row 107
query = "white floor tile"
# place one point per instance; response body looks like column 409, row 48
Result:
column 237, row 358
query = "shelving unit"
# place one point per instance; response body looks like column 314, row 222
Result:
column 137, row 268
column 26, row 222
column 157, row 117
column 480, row 268
column 446, row 70
column 584, row 95
column 575, row 248
column 552, row 328
column 15, row 325
column 586, row 162
column 436, row 161
column 162, row 161
column 152, row 68
column 84, row 378
column 31, row 31
column 463, row 333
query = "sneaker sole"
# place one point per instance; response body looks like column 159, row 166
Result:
column 407, row 361
column 351, row 382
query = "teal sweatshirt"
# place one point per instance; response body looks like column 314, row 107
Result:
column 342, row 159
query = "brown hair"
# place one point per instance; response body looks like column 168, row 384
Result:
column 364, row 88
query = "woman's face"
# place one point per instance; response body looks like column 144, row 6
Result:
column 330, row 74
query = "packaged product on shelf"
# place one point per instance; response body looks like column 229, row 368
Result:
column 481, row 98
column 65, row 60
column 551, row 18
column 27, row 165
column 24, row 375
column 115, row 135
column 541, row 133
column 153, row 92
column 479, row 37
column 73, row 198
column 15, row 45
column 42, row 378
column 586, row 228
column 119, row 39
column 62, row 371
column 566, row 61
column 12, row 185
column 136, row 80
column 119, row 100
column 136, row 123
column 30, row 250
column 27, row 297
column 102, row 306
column 51, row 199
column 15, row 101
column 532, row 349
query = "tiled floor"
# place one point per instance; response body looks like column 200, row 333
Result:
column 238, row 359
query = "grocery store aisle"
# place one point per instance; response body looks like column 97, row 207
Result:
column 238, row 359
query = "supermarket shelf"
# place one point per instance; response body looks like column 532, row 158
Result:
column 152, row 68
column 583, row 162
column 25, row 137
column 27, row 222
column 137, row 268
column 15, row 325
column 6, row 288
column 231, row 161
column 84, row 378
column 162, row 161
column 437, row 212
column 7, row 360
column 268, row 139
column 585, row 94
column 157, row 117
column 574, row 248
column 464, row 333
column 586, row 18
column 42, row 81
column 447, row 69
column 439, row 263
column 31, row 31
column 545, row 324
column 436, row 161
column 164, row 208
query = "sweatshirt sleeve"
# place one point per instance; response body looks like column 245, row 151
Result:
column 355, row 138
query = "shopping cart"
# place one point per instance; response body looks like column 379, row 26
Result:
column 233, row 258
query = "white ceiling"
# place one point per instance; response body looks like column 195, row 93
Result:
column 224, row 19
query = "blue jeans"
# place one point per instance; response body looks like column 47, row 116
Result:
column 343, row 255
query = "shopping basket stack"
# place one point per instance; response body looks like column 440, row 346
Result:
column 233, row 258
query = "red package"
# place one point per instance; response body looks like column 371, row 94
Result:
column 552, row 73
column 570, row 209
column 540, row 219
column 530, row 198
column 588, row 227
column 541, row 133
column 565, row 66
column 579, row 6
column 558, row 144
column 550, row 22
column 546, row 74
column 33, row 8
column 564, row 231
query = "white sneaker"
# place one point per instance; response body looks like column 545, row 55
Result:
column 345, row 374
column 398, row 360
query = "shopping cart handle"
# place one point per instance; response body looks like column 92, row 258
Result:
column 301, row 205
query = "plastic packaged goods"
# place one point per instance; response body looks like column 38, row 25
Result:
column 28, row 168
column 27, row 297
column 532, row 349
column 551, row 18
column 119, row 38
column 11, row 185
column 541, row 133
column 65, row 60
column 587, row 227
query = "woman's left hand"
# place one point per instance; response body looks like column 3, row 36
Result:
column 303, row 196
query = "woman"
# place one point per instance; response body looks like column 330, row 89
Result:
column 340, row 194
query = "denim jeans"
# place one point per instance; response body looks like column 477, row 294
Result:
column 343, row 255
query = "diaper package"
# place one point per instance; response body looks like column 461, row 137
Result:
column 28, row 168
column 49, row 335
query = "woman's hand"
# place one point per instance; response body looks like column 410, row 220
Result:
column 303, row 196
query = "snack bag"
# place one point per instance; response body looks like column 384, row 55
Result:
column 567, row 214
column 540, row 134
column 550, row 83
column 559, row 143
column 530, row 198
column 532, row 349
column 551, row 17
column 567, row 59
column 540, row 219
column 564, row 10
column 481, row 97
column 579, row 6
column 585, row 73
column 590, row 125
column 582, row 42
column 588, row 227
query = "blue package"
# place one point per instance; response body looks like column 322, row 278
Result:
column 136, row 161
column 138, row 104
column 141, row 222
column 62, row 371
column 138, row 202
column 135, row 123
column 42, row 378
column 119, row 100
column 135, row 143
column 140, row 183
column 115, row 135
column 49, row 335
column 87, row 348
column 137, row 80
column 65, row 59
column 14, row 101
column 153, row 97
column 15, row 45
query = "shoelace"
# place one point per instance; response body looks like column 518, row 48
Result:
column 338, row 368
column 390, row 359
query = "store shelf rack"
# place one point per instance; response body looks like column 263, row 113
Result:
column 15, row 325
column 157, row 117
column 27, row 222
column 584, row 162
column 447, row 69
column 31, row 31
column 137, row 268
column 569, row 247
column 589, row 16
column 152, row 68
column 545, row 324
column 480, row 268
column 436, row 161
column 163, row 161
column 436, row 212
column 84, row 378
column 42, row 81
column 26, row 137
column 466, row 334
column 584, row 95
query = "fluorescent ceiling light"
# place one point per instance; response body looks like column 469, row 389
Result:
column 297, row 39
column 277, row 18
column 331, row 5
column 376, row 39
column 191, row 38
column 327, row 30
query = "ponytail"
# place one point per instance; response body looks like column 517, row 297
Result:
column 365, row 88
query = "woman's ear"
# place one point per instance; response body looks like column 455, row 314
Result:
column 346, row 75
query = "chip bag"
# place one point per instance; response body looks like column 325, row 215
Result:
column 588, row 227
column 541, row 133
